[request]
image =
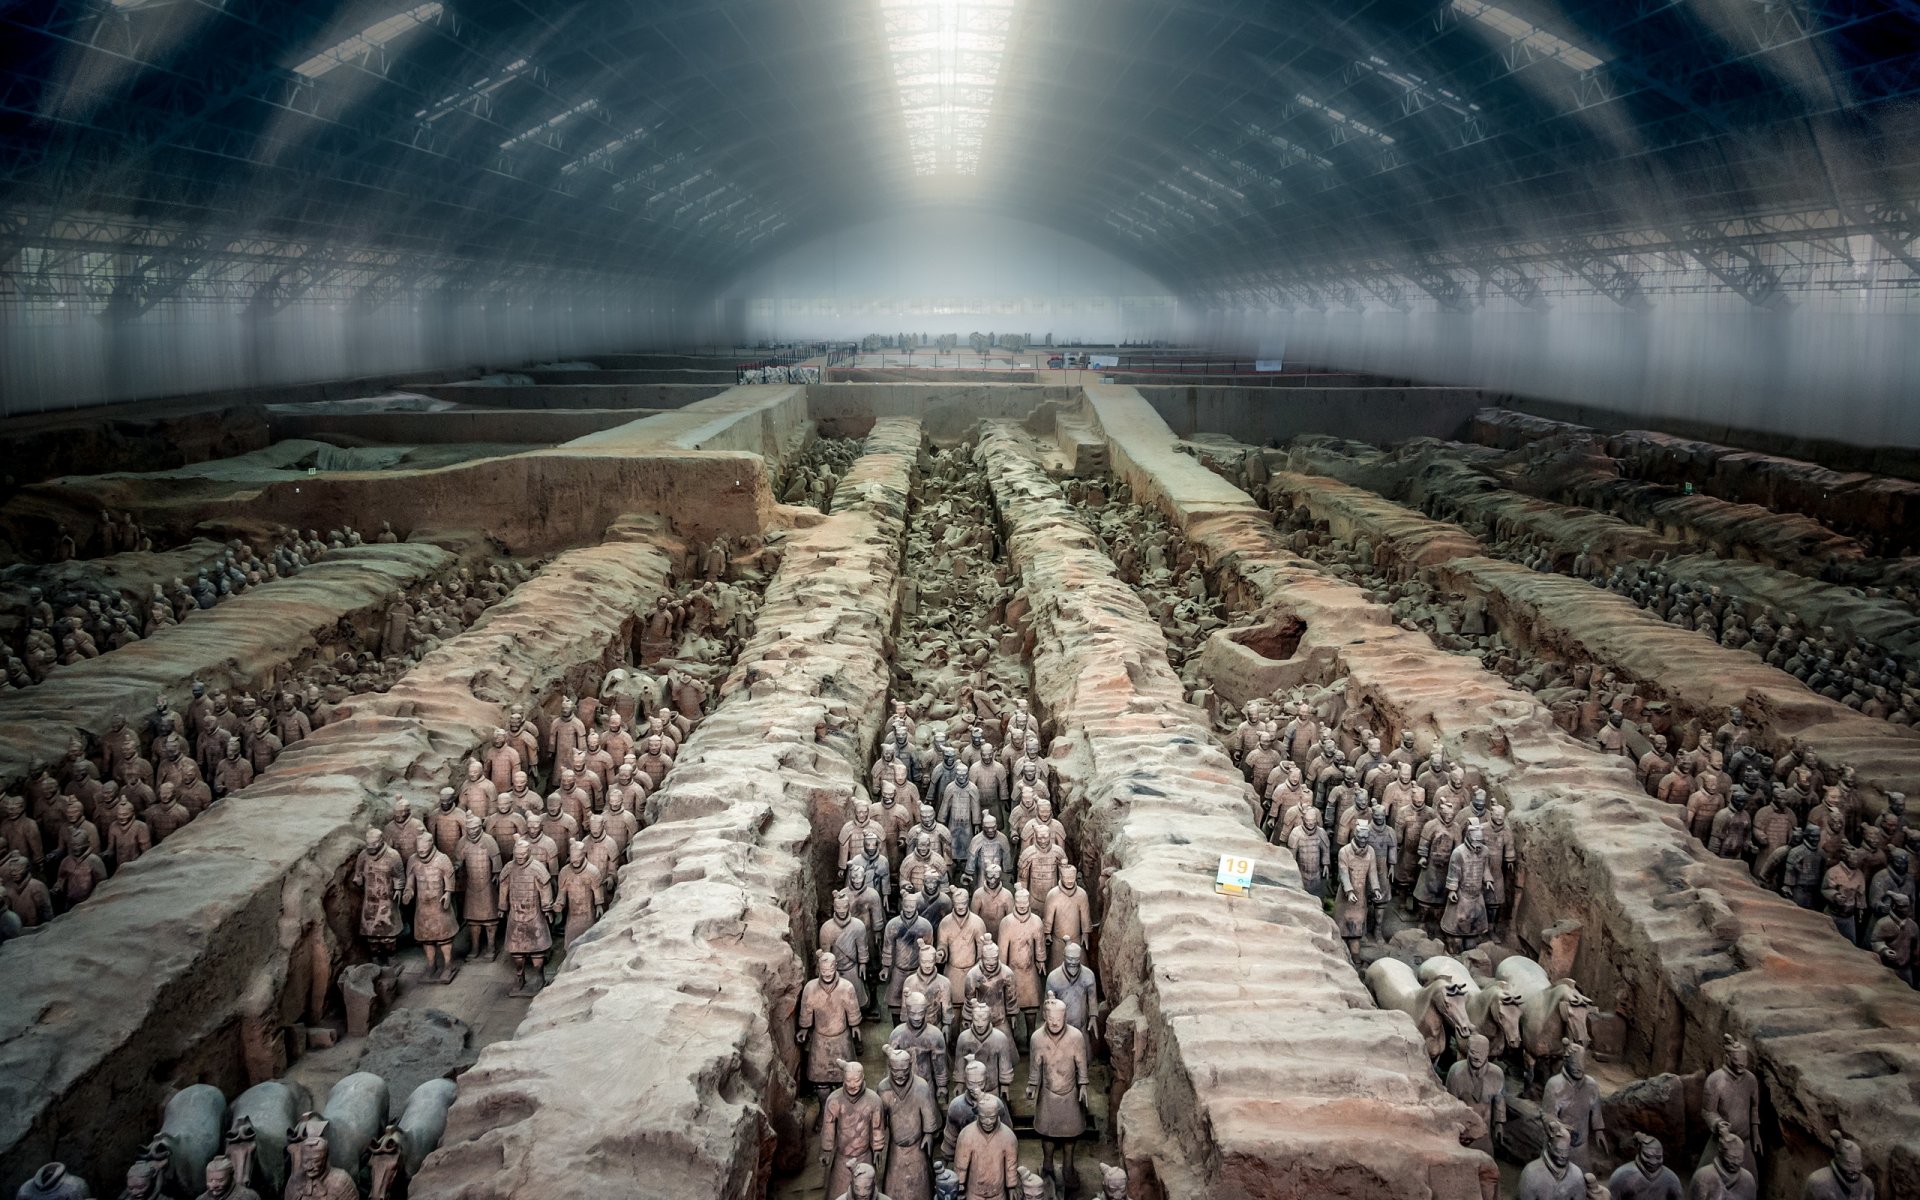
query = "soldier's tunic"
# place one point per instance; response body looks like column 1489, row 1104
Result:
column 525, row 895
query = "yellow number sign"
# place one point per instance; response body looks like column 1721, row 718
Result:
column 1235, row 877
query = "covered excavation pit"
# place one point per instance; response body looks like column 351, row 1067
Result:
column 500, row 822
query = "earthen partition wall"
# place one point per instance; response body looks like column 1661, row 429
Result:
column 703, row 468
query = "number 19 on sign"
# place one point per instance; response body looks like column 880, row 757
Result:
column 1235, row 877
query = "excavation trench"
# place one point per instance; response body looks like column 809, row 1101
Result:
column 1684, row 946
column 359, row 636
column 1853, row 502
column 1433, row 477
column 1248, row 1059
column 200, row 961
column 661, row 1060
column 1572, row 465
column 960, row 664
column 242, row 642
column 1570, row 620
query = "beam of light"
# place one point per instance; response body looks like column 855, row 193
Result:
column 946, row 57
column 364, row 43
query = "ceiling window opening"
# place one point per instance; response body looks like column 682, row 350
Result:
column 946, row 57
column 1343, row 124
column 595, row 157
column 550, row 124
column 362, row 45
column 1524, row 33
column 477, row 92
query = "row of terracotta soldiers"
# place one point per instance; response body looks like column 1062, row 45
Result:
column 965, row 973
column 84, row 818
column 810, row 476
column 1157, row 560
column 517, row 865
column 1725, row 1173
column 1798, row 823
column 1745, row 820
column 1855, row 671
column 1366, row 824
column 90, row 620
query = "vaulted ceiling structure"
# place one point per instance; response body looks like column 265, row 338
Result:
column 1272, row 152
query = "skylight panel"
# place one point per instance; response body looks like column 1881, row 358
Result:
column 485, row 86
column 946, row 57
column 1290, row 152
column 1523, row 32
column 595, row 157
column 1343, row 123
column 550, row 124
column 364, row 43
column 1414, row 84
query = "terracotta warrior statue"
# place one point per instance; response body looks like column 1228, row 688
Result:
column 316, row 1179
column 913, row 1121
column 1057, row 1061
column 1725, row 1172
column 1553, row 1176
column 1437, row 844
column 1647, row 1176
column 223, row 1182
column 1464, row 920
column 987, row 1046
column 1022, row 940
column 526, row 896
column 1844, row 1177
column 1357, row 888
column 430, row 888
column 380, row 874
column 922, row 1038
column 986, row 1155
column 1067, row 915
column 992, row 984
column 145, row 1182
column 1312, row 852
column 1480, row 1084
column 861, row 1185
column 1571, row 1099
column 829, row 1023
column 1732, row 1095
column 577, row 897
column 479, row 868
column 900, row 949
column 853, row 1128
column 1073, row 984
